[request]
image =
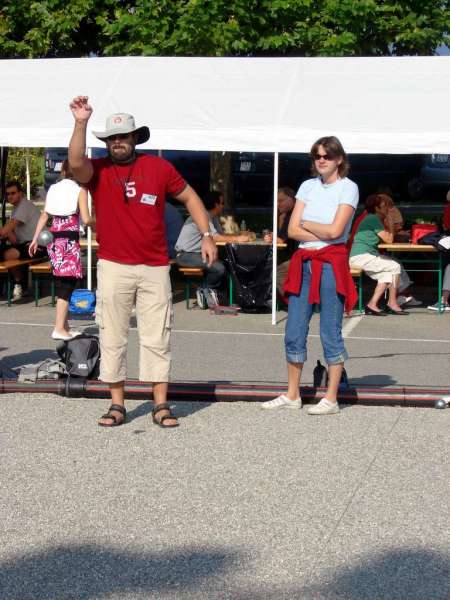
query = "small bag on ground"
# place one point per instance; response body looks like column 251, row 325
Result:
column 320, row 377
column 81, row 356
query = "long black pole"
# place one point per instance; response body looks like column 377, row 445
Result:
column 227, row 392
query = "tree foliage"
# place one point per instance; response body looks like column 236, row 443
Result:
column 50, row 28
column 16, row 169
column 57, row 28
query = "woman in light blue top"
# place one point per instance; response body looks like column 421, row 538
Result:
column 321, row 222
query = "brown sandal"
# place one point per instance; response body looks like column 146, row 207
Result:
column 115, row 423
column 160, row 422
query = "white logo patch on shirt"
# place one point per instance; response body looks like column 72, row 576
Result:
column 148, row 199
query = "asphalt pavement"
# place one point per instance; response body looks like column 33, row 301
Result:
column 236, row 503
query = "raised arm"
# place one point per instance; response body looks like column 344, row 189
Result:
column 295, row 230
column 79, row 163
column 335, row 229
column 191, row 200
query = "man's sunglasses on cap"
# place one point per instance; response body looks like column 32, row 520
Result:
column 118, row 136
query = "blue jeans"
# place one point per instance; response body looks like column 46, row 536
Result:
column 331, row 313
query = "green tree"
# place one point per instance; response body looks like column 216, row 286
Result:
column 17, row 167
column 278, row 27
column 49, row 28
column 57, row 28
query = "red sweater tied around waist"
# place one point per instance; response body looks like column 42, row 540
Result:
column 337, row 256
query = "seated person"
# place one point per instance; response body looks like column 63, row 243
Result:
column 17, row 234
column 393, row 220
column 446, row 218
column 445, row 293
column 286, row 203
column 364, row 255
column 174, row 225
column 189, row 241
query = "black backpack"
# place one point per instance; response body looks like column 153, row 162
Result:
column 81, row 356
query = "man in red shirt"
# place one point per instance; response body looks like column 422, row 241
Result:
column 129, row 193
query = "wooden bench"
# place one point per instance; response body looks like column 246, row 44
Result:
column 7, row 265
column 197, row 272
column 37, row 271
column 357, row 274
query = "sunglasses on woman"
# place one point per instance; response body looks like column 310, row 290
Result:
column 324, row 156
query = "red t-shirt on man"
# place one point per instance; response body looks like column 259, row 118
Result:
column 129, row 207
column 447, row 218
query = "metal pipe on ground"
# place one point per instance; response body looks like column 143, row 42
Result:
column 72, row 387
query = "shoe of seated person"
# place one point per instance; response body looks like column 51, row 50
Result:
column 409, row 300
column 17, row 292
column 324, row 407
column 443, row 306
column 201, row 300
column 281, row 401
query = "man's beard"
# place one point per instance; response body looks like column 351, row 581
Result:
column 122, row 159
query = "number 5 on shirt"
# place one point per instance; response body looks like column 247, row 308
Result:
column 130, row 189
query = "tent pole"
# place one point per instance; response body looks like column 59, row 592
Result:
column 274, row 239
column 27, row 165
column 89, row 237
column 3, row 164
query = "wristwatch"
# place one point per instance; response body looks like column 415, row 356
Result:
column 207, row 234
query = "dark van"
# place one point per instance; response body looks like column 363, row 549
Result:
column 253, row 171
column 254, row 174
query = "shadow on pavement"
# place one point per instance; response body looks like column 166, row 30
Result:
column 372, row 380
column 181, row 409
column 90, row 572
column 403, row 574
column 18, row 360
column 418, row 353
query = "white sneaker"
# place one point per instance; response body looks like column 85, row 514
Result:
column 17, row 292
column 75, row 332
column 442, row 307
column 281, row 402
column 324, row 407
column 214, row 296
column 60, row 336
column 201, row 300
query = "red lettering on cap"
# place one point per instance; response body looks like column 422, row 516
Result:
column 117, row 120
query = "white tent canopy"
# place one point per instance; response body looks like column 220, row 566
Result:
column 374, row 105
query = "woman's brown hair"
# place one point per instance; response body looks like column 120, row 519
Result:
column 66, row 171
column 376, row 200
column 333, row 148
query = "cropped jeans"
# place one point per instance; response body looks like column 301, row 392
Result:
column 331, row 310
